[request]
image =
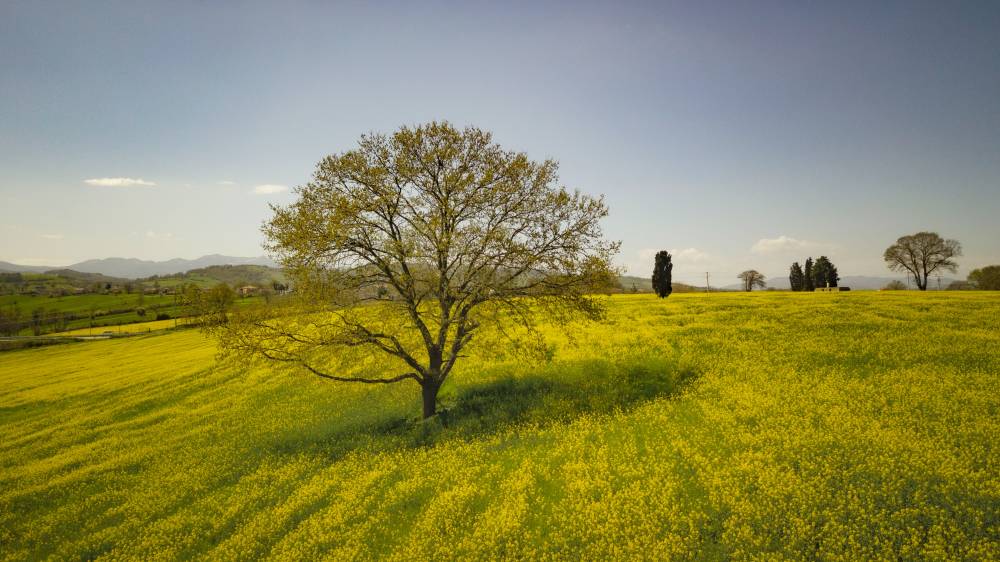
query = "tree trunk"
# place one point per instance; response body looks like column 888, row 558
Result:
column 430, row 391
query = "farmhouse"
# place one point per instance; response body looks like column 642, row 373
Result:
column 249, row 291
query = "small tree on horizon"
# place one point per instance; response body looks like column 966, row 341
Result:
column 894, row 285
column 809, row 284
column 985, row 278
column 752, row 278
column 922, row 254
column 796, row 278
column 662, row 274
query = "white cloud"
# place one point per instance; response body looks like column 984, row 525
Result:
column 52, row 236
column 227, row 182
column 689, row 255
column 268, row 188
column 783, row 244
column 118, row 182
column 159, row 235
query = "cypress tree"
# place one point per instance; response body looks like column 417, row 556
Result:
column 809, row 284
column 662, row 269
column 824, row 273
column 833, row 277
column 796, row 278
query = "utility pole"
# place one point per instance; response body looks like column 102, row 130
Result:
column 708, row 288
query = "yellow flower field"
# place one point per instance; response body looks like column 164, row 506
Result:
column 137, row 328
column 765, row 426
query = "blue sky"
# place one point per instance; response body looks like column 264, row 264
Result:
column 736, row 134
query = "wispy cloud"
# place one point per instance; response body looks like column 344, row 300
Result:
column 118, row 182
column 268, row 188
column 52, row 236
column 677, row 255
column 783, row 244
column 227, row 182
column 159, row 235
column 689, row 255
column 689, row 263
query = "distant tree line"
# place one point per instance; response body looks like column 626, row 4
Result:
column 986, row 278
column 40, row 321
column 822, row 273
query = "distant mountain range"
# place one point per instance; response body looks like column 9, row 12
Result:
column 132, row 268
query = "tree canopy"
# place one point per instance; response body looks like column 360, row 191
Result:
column 752, row 278
column 824, row 273
column 662, row 274
column 796, row 278
column 403, row 249
column 986, row 278
column 921, row 254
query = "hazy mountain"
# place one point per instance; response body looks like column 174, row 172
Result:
column 133, row 268
column 635, row 284
column 7, row 267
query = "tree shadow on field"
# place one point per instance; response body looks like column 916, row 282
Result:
column 557, row 393
column 502, row 398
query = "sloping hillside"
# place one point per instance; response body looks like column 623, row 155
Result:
column 696, row 427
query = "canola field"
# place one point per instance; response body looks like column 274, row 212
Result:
column 781, row 426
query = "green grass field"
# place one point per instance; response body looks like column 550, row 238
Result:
column 102, row 306
column 768, row 426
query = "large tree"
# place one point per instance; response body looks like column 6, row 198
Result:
column 402, row 250
column 922, row 254
column 796, row 278
column 986, row 278
column 810, row 284
column 752, row 278
column 662, row 274
column 824, row 273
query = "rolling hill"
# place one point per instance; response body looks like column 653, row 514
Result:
column 133, row 268
column 699, row 427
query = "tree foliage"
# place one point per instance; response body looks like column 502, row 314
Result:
column 796, row 278
column 921, row 254
column 212, row 306
column 662, row 274
column 894, row 285
column 402, row 250
column 986, row 278
column 824, row 273
column 752, row 278
column 809, row 282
